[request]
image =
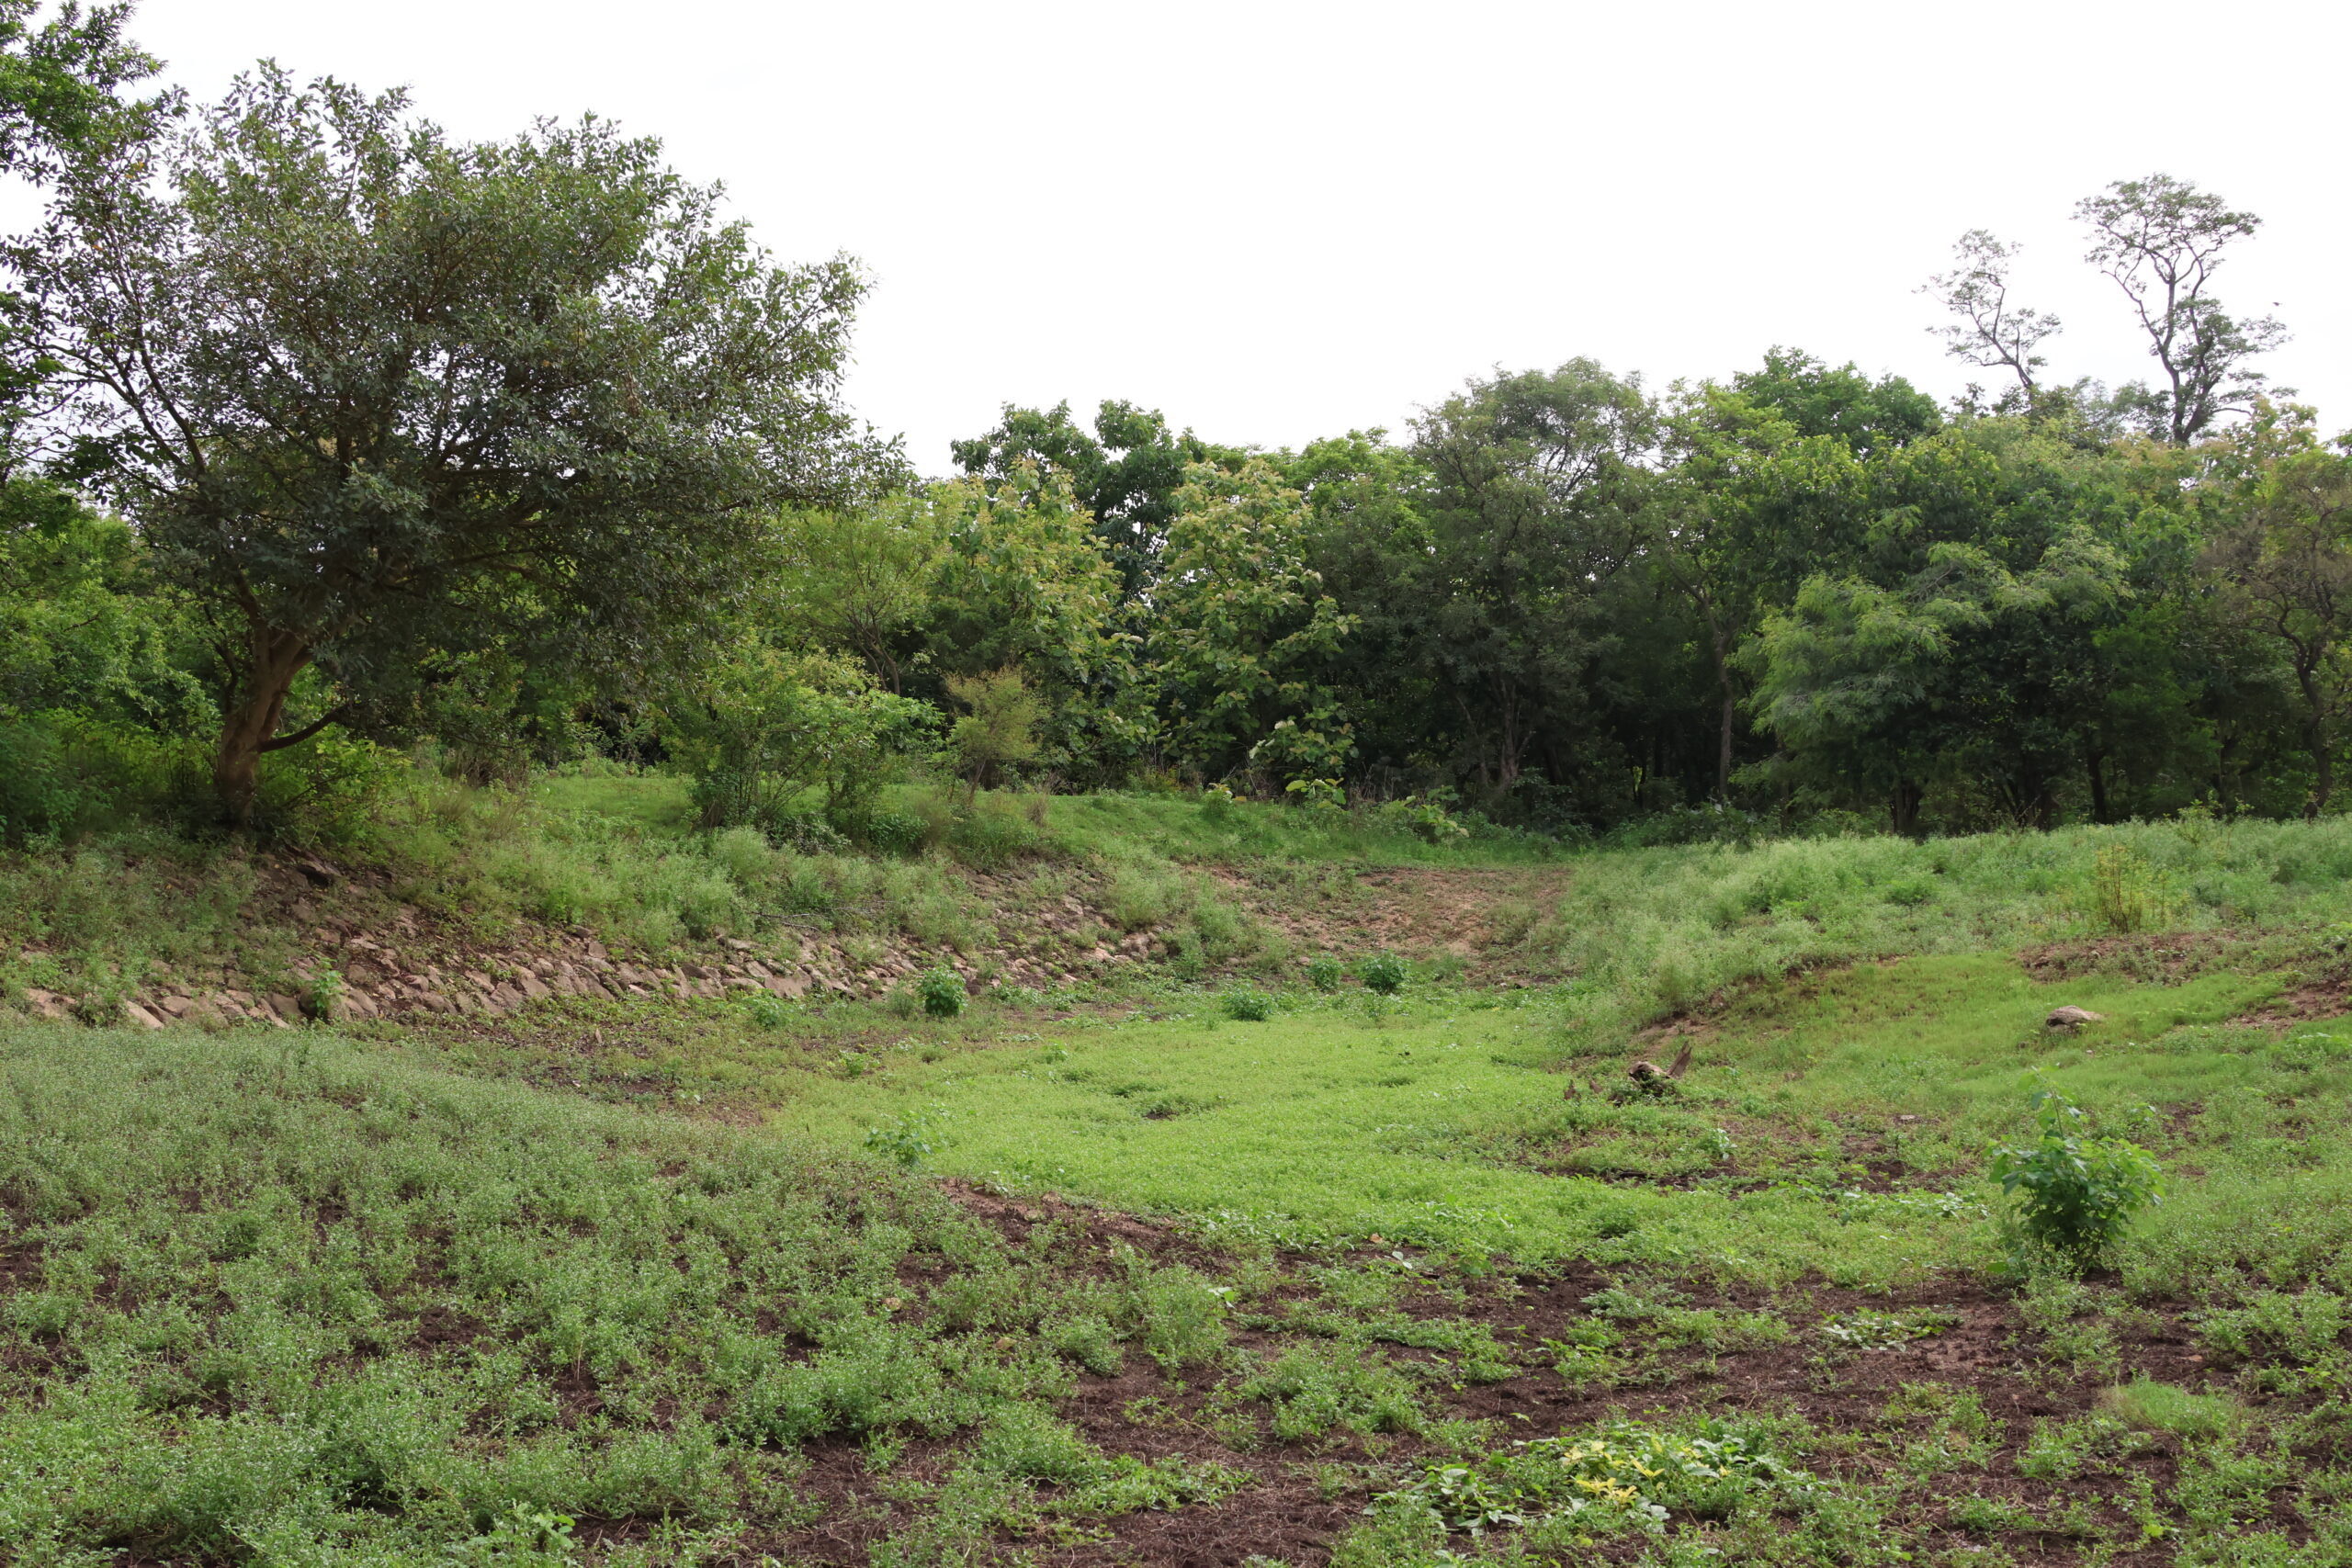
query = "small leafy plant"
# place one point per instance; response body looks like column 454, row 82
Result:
column 1383, row 973
column 906, row 1140
column 2075, row 1194
column 1246, row 1005
column 1325, row 972
column 942, row 990
column 2126, row 895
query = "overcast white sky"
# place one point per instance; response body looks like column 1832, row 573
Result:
column 1281, row 220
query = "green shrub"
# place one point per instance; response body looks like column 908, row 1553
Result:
column 906, row 1140
column 769, row 1010
column 1146, row 896
column 1383, row 973
column 896, row 832
column 2125, row 894
column 1325, row 972
column 1246, row 1005
column 993, row 833
column 1315, row 1387
column 1174, row 1314
column 2075, row 1194
column 942, row 990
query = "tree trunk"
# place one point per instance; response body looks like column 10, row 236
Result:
column 1903, row 808
column 276, row 658
column 2091, row 762
column 1731, row 708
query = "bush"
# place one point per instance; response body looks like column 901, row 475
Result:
column 2075, row 1194
column 1248, row 1006
column 1325, row 972
column 942, row 990
column 2126, row 895
column 992, row 834
column 1383, row 973
column 905, row 1140
column 896, row 832
column 769, row 1010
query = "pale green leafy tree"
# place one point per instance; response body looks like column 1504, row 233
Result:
column 1242, row 632
column 998, row 728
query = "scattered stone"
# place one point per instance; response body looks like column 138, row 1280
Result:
column 531, row 987
column 2072, row 1018
column 318, row 873
column 140, row 1016
column 178, row 1007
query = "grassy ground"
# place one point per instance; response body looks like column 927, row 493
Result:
column 1128, row 1275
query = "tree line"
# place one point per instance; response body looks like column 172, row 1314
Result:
column 321, row 427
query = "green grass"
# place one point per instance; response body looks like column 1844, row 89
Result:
column 1446, row 1123
column 292, row 1298
column 287, row 1302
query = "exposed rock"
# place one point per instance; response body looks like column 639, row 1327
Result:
column 177, row 1007
column 1650, row 1075
column 318, row 873
column 531, row 987
column 2072, row 1018
column 140, row 1016
column 45, row 1004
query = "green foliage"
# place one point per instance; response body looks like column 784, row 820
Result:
column 1242, row 629
column 2076, row 1194
column 1315, row 1389
column 2152, row 1406
column 1246, row 1004
column 1324, row 972
column 270, row 1215
column 1000, row 729
column 2125, row 895
column 1382, row 973
column 905, row 1141
column 942, row 990
column 683, row 382
column 1627, row 1475
column 765, row 729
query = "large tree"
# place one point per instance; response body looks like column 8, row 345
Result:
column 2162, row 240
column 1126, row 472
column 1536, row 498
column 372, row 392
column 2284, row 563
column 1987, row 329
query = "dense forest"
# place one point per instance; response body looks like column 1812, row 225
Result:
column 331, row 440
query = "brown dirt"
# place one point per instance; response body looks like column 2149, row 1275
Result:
column 1476, row 916
column 1284, row 1514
